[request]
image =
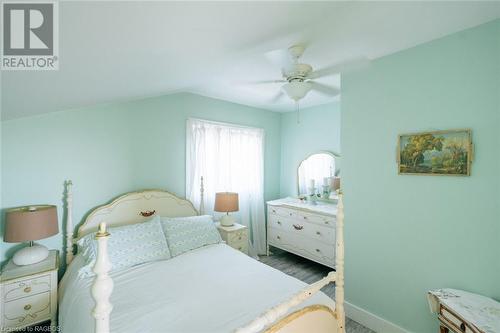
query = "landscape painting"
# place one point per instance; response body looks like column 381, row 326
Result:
column 435, row 153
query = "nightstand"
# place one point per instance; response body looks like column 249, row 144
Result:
column 235, row 236
column 461, row 311
column 29, row 293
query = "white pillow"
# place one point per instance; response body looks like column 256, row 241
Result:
column 187, row 233
column 128, row 246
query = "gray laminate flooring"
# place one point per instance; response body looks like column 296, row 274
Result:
column 309, row 272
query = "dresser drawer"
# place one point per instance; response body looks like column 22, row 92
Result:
column 243, row 247
column 303, row 228
column 26, row 288
column 302, row 216
column 449, row 318
column 302, row 245
column 237, row 236
column 27, row 310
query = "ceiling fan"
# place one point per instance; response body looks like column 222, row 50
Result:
column 298, row 78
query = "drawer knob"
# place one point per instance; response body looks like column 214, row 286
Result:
column 318, row 233
column 305, row 217
column 274, row 211
column 27, row 307
column 317, row 250
column 326, row 222
column 298, row 227
column 239, row 238
column 278, row 237
column 290, row 214
column 279, row 222
column 27, row 289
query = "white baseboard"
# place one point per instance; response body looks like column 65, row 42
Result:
column 370, row 320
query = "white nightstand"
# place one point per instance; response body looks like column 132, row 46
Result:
column 235, row 236
column 29, row 293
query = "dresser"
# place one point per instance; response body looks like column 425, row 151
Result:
column 235, row 236
column 303, row 229
column 29, row 293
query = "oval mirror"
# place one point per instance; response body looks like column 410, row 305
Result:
column 318, row 174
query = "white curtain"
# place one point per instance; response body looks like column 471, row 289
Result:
column 230, row 159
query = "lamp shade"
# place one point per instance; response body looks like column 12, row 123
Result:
column 30, row 223
column 226, row 202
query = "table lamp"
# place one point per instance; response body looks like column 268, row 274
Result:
column 226, row 202
column 27, row 224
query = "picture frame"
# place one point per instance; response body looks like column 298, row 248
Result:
column 436, row 153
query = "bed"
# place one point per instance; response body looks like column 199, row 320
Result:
column 209, row 289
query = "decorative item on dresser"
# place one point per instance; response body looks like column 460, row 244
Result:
column 27, row 224
column 29, row 293
column 235, row 236
column 463, row 312
column 303, row 229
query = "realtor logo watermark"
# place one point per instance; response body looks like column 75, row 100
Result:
column 30, row 35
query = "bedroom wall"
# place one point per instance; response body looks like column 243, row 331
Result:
column 110, row 149
column 408, row 234
column 319, row 129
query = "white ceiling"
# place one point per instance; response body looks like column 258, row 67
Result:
column 118, row 51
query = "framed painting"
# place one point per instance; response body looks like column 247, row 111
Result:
column 440, row 153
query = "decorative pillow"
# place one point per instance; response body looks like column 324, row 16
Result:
column 187, row 233
column 128, row 246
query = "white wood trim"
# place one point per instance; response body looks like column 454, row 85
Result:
column 103, row 284
column 69, row 222
column 370, row 320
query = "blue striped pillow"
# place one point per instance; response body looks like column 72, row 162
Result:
column 128, row 246
column 187, row 233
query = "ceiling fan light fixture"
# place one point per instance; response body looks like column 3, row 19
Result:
column 296, row 90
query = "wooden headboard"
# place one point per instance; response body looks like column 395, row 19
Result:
column 129, row 208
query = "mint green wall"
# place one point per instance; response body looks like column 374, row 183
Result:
column 408, row 234
column 319, row 129
column 111, row 149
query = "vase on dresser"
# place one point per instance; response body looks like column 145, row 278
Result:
column 303, row 229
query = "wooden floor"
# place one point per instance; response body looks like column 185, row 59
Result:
column 309, row 272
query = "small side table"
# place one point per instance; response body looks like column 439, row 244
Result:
column 235, row 236
column 463, row 312
column 29, row 293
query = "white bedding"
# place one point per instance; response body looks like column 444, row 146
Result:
column 211, row 289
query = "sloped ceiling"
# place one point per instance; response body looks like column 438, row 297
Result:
column 118, row 51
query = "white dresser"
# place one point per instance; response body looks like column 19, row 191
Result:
column 303, row 229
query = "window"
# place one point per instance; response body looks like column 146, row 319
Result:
column 230, row 159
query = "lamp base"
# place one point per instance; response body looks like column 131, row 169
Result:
column 30, row 255
column 227, row 220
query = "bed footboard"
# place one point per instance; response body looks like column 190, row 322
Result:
column 315, row 318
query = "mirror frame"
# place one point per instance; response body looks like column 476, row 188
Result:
column 334, row 155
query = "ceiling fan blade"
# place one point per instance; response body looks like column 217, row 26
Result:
column 344, row 67
column 324, row 89
column 275, row 99
column 263, row 81
column 279, row 57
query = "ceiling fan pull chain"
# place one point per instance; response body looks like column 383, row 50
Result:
column 297, row 107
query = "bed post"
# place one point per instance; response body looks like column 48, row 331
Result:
column 202, row 200
column 339, row 266
column 69, row 222
column 103, row 284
